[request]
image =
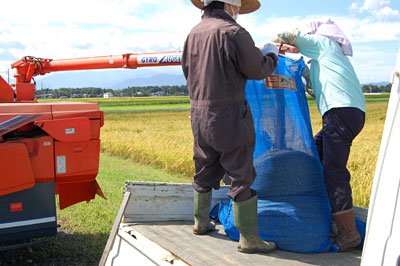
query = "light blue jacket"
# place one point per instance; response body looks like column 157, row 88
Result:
column 333, row 78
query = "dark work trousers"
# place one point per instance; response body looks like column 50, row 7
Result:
column 340, row 127
column 224, row 142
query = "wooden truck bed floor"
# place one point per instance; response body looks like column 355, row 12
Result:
column 216, row 248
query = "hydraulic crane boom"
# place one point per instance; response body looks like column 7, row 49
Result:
column 29, row 66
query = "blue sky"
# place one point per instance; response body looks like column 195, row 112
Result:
column 69, row 29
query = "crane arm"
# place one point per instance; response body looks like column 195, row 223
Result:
column 29, row 66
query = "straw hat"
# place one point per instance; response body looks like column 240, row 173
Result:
column 248, row 6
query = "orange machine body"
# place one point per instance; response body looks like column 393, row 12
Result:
column 45, row 142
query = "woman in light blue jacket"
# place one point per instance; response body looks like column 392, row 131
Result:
column 342, row 106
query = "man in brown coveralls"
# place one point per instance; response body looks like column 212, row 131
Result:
column 218, row 58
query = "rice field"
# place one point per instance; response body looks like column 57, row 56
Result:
column 164, row 139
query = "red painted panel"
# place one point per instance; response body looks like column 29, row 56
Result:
column 67, row 130
column 15, row 168
column 41, row 155
column 76, row 165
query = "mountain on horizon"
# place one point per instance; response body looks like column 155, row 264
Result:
column 110, row 79
column 381, row 83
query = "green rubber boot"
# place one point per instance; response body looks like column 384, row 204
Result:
column 347, row 234
column 245, row 216
column 202, row 223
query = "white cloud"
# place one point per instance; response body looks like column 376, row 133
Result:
column 374, row 4
column 387, row 13
column 378, row 8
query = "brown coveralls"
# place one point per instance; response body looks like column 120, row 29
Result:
column 218, row 58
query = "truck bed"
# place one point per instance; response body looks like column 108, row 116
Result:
column 217, row 249
column 156, row 229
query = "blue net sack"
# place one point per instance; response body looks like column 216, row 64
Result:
column 293, row 206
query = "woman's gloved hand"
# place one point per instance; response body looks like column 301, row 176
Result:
column 270, row 48
column 288, row 37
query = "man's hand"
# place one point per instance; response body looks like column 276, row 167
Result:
column 270, row 48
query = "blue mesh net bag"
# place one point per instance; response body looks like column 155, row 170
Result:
column 293, row 206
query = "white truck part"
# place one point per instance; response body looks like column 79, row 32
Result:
column 382, row 243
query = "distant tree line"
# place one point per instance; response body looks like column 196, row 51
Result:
column 370, row 88
column 93, row 92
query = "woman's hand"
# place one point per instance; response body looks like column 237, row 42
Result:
column 288, row 37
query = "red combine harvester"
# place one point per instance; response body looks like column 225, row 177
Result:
column 51, row 148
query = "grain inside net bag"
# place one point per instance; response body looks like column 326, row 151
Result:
column 293, row 206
